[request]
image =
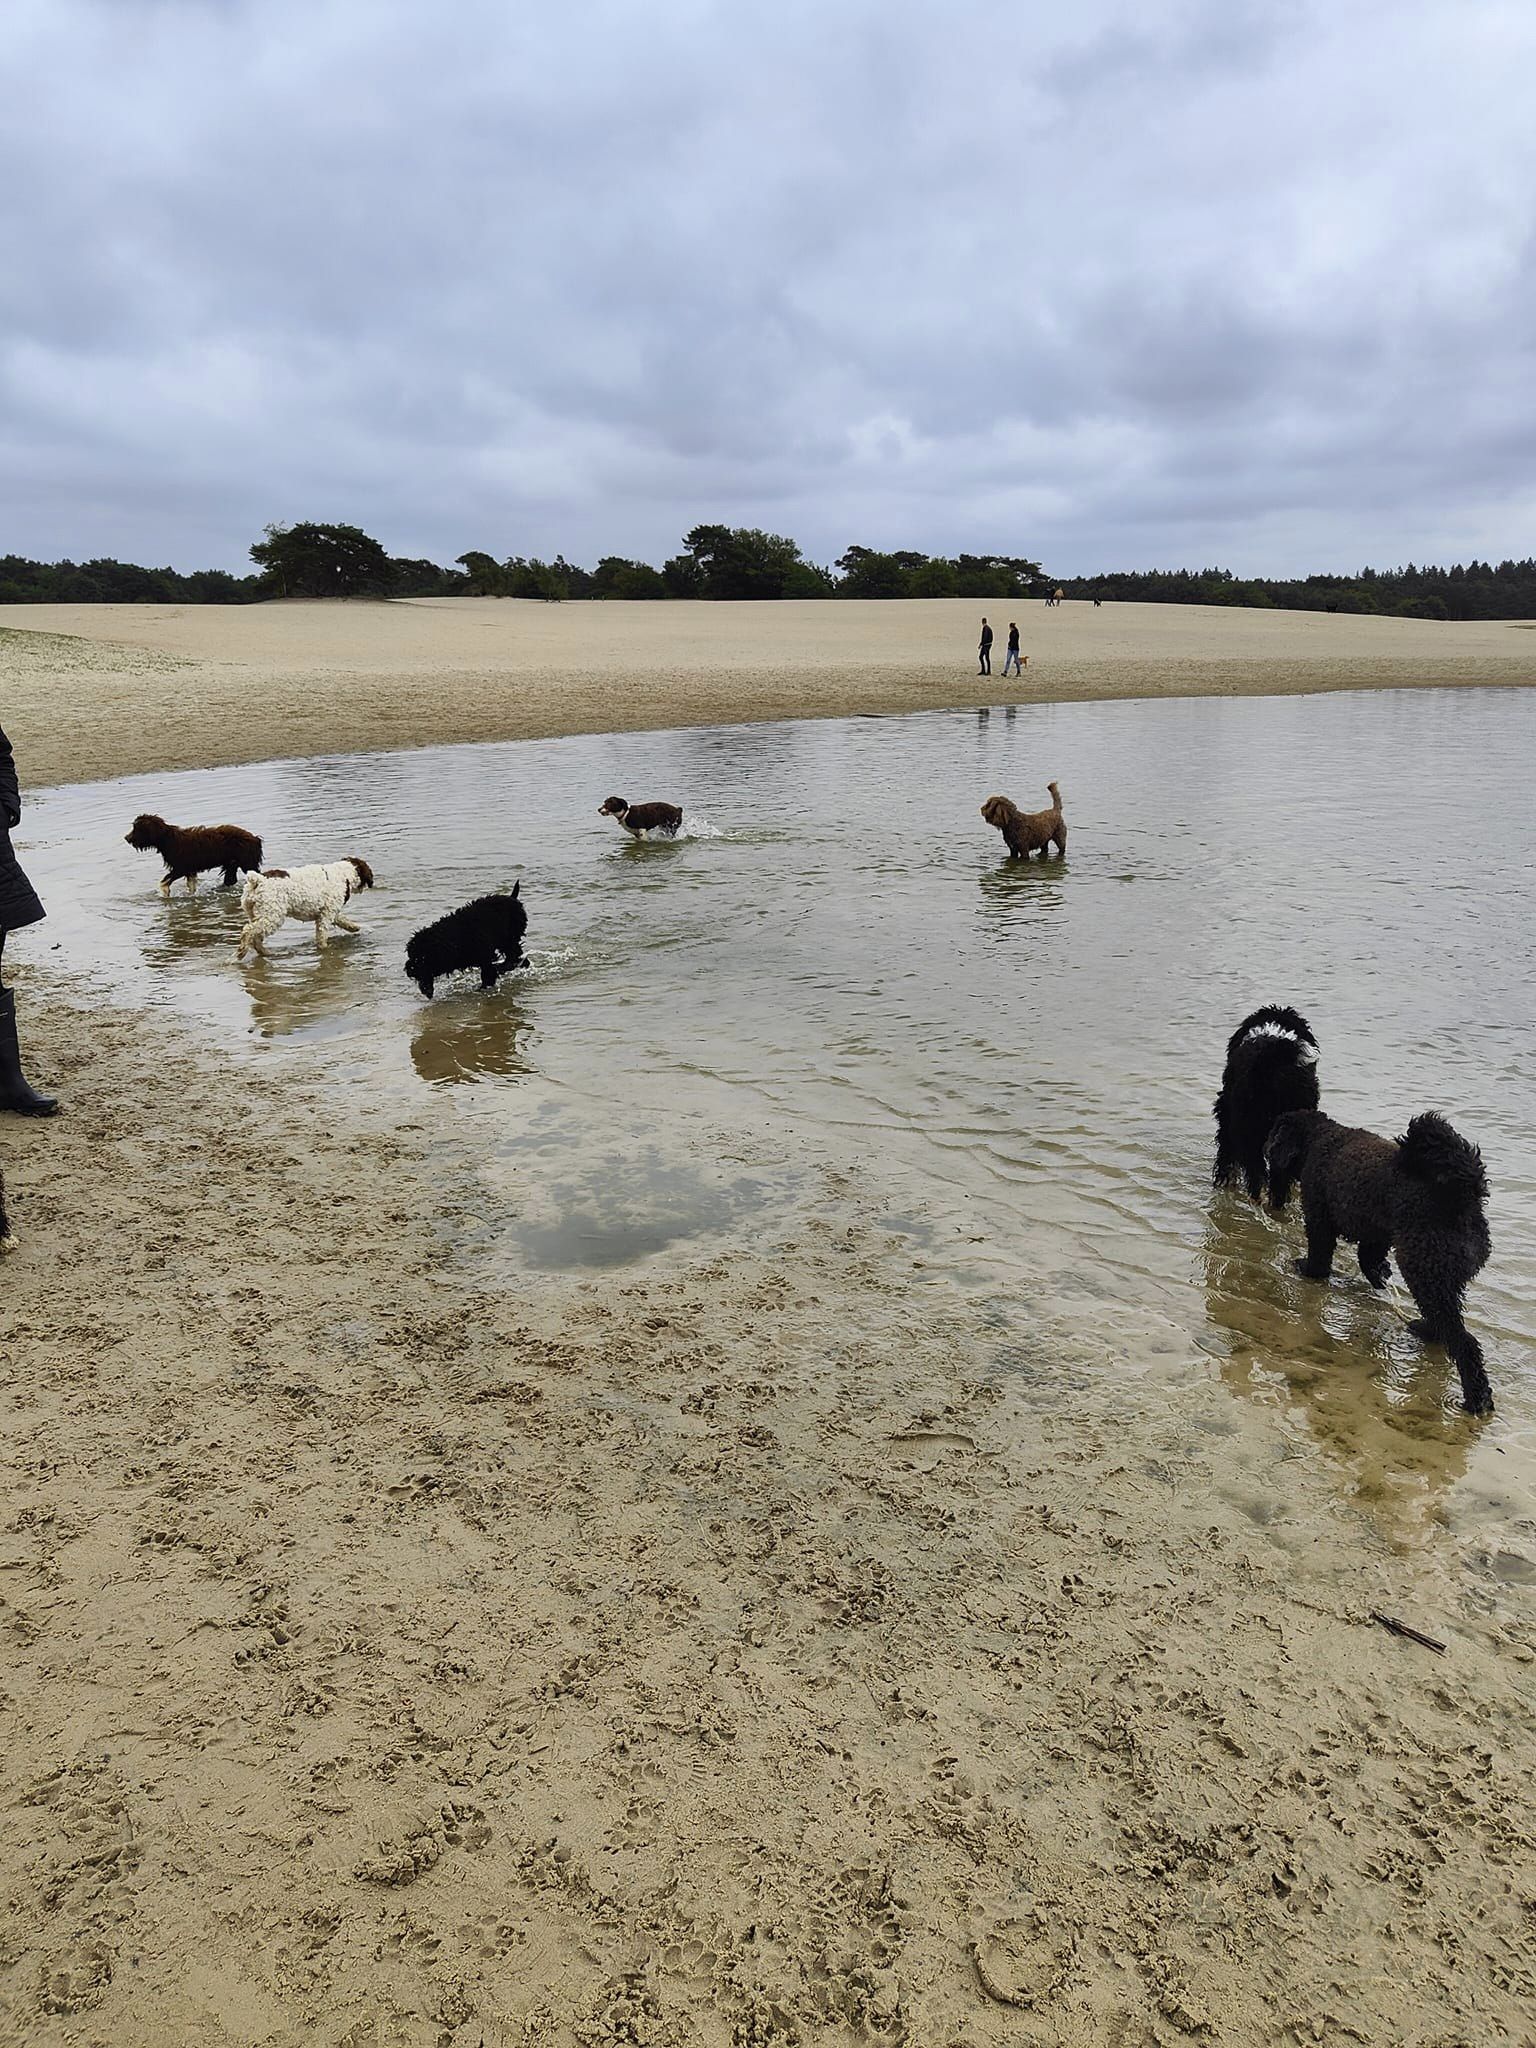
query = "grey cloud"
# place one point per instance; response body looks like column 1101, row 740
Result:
column 1202, row 282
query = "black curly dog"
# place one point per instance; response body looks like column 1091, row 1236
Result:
column 487, row 934
column 1271, row 1068
column 1421, row 1197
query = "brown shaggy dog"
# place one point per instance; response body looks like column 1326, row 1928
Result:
column 188, row 850
column 639, row 819
column 1028, row 832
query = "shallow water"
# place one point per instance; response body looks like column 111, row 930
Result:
column 835, row 968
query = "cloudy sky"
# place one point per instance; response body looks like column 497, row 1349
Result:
column 1119, row 284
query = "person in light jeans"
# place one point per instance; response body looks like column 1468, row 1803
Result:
column 1013, row 652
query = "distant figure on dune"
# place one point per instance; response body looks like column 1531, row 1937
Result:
column 985, row 650
column 1012, row 659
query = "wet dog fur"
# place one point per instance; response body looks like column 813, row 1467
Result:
column 314, row 893
column 666, row 819
column 1028, row 832
column 1271, row 1068
column 190, row 850
column 1420, row 1197
column 486, row 934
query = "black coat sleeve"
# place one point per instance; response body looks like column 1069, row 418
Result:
column 10, row 794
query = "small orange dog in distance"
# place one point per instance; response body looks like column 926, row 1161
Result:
column 1028, row 832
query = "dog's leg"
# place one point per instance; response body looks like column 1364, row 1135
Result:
column 229, row 879
column 322, row 933
column 165, row 883
column 1061, row 841
column 1438, row 1291
column 191, row 885
column 1253, row 1173
column 1322, row 1242
column 488, row 973
column 1373, row 1260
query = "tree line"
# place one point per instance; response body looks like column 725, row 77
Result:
column 733, row 562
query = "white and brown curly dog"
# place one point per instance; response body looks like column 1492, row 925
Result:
column 316, row 894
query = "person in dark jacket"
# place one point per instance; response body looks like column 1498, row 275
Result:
column 984, row 651
column 18, row 906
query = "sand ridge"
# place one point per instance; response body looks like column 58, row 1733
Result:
column 98, row 690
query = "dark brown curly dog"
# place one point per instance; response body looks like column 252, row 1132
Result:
column 188, row 850
column 1028, row 832
column 1421, row 1197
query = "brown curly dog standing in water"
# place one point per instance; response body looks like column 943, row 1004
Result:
column 1028, row 832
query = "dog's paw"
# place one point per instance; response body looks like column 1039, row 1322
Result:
column 1479, row 1401
column 1310, row 1272
column 1377, row 1276
column 1420, row 1329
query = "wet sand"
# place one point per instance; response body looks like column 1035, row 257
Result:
column 729, row 1651
column 729, row 1655
column 98, row 690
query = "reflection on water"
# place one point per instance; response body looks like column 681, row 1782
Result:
column 471, row 1039
column 835, row 964
column 1371, row 1394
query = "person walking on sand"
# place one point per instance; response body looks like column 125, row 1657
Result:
column 18, row 906
column 1012, row 657
column 985, row 650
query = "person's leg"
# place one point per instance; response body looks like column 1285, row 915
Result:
column 16, row 1092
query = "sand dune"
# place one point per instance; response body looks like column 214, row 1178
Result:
column 93, row 690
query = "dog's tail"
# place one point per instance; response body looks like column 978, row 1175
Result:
column 1055, row 794
column 1430, row 1152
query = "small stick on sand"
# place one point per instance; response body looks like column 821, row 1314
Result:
column 1401, row 1628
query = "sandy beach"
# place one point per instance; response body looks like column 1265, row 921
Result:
column 718, row 1652
column 97, row 690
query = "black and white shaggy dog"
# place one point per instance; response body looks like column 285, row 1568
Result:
column 188, row 850
column 487, row 934
column 1421, row 1197
column 1271, row 1068
column 639, row 819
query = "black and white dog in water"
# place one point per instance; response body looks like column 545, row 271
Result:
column 638, row 819
column 487, row 934
column 1271, row 1068
column 1421, row 1197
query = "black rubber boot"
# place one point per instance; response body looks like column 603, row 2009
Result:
column 16, row 1092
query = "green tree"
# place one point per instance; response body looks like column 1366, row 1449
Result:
column 536, row 579
column 322, row 561
column 486, row 576
column 615, row 576
column 865, row 572
column 741, row 561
